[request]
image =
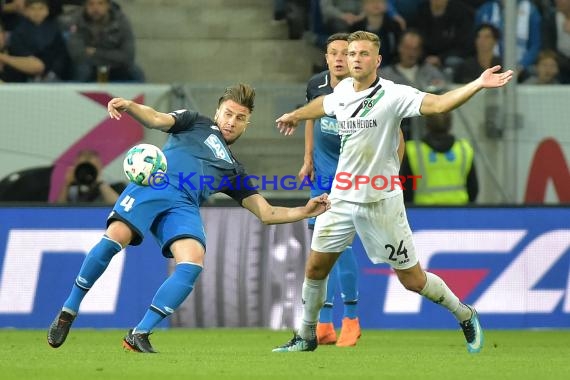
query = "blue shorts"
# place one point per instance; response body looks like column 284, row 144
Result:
column 168, row 214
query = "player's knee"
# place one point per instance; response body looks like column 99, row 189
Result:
column 412, row 282
column 316, row 272
column 120, row 232
column 412, row 286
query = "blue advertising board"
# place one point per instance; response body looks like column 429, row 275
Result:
column 41, row 251
column 512, row 264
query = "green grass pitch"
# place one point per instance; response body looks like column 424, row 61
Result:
column 246, row 354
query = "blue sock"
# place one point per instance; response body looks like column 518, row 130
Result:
column 348, row 277
column 95, row 263
column 326, row 313
column 170, row 295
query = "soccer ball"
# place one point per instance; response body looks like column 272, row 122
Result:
column 142, row 161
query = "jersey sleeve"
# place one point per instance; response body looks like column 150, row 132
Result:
column 183, row 120
column 241, row 186
column 330, row 102
column 408, row 101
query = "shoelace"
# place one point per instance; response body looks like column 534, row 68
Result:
column 468, row 331
column 293, row 341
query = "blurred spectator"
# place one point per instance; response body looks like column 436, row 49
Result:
column 445, row 164
column 410, row 70
column 2, row 49
column 10, row 13
column 376, row 21
column 84, row 182
column 528, row 30
column 447, row 28
column 557, row 36
column 408, row 9
column 486, row 39
column 296, row 15
column 340, row 15
column 102, row 45
column 546, row 69
column 36, row 49
column 279, row 10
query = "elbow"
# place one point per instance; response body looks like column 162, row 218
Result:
column 266, row 220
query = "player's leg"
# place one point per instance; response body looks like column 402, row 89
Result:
column 387, row 237
column 348, row 276
column 334, row 231
column 325, row 327
column 180, row 234
column 313, row 293
column 436, row 290
column 189, row 258
column 117, row 236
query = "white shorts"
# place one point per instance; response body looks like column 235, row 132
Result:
column 382, row 227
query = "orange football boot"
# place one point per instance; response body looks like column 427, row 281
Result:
column 326, row 333
column 350, row 332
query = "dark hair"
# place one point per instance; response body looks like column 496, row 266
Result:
column 337, row 37
column 412, row 32
column 494, row 30
column 241, row 93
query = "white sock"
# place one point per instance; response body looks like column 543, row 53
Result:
column 437, row 291
column 314, row 294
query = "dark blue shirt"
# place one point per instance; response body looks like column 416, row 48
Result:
column 200, row 162
column 326, row 148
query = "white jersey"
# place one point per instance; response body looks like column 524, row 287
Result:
column 369, row 123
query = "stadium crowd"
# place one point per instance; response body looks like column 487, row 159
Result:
column 66, row 40
column 459, row 38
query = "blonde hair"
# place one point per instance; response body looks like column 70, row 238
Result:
column 364, row 36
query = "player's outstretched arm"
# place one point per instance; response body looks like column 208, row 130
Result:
column 269, row 214
column 490, row 78
column 145, row 115
column 289, row 121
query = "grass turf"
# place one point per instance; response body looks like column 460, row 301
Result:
column 246, row 354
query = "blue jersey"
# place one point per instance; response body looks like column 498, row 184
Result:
column 326, row 148
column 200, row 163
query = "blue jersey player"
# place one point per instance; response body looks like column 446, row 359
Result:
column 197, row 148
column 322, row 150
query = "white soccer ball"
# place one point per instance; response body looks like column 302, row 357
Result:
column 142, row 161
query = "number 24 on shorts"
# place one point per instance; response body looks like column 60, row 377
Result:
column 395, row 253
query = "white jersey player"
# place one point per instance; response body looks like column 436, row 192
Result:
column 364, row 197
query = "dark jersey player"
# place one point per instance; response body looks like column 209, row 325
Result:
column 197, row 148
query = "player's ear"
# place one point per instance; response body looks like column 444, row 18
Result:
column 217, row 114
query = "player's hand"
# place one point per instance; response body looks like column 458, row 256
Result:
column 317, row 205
column 287, row 124
column 307, row 171
column 491, row 78
column 116, row 106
